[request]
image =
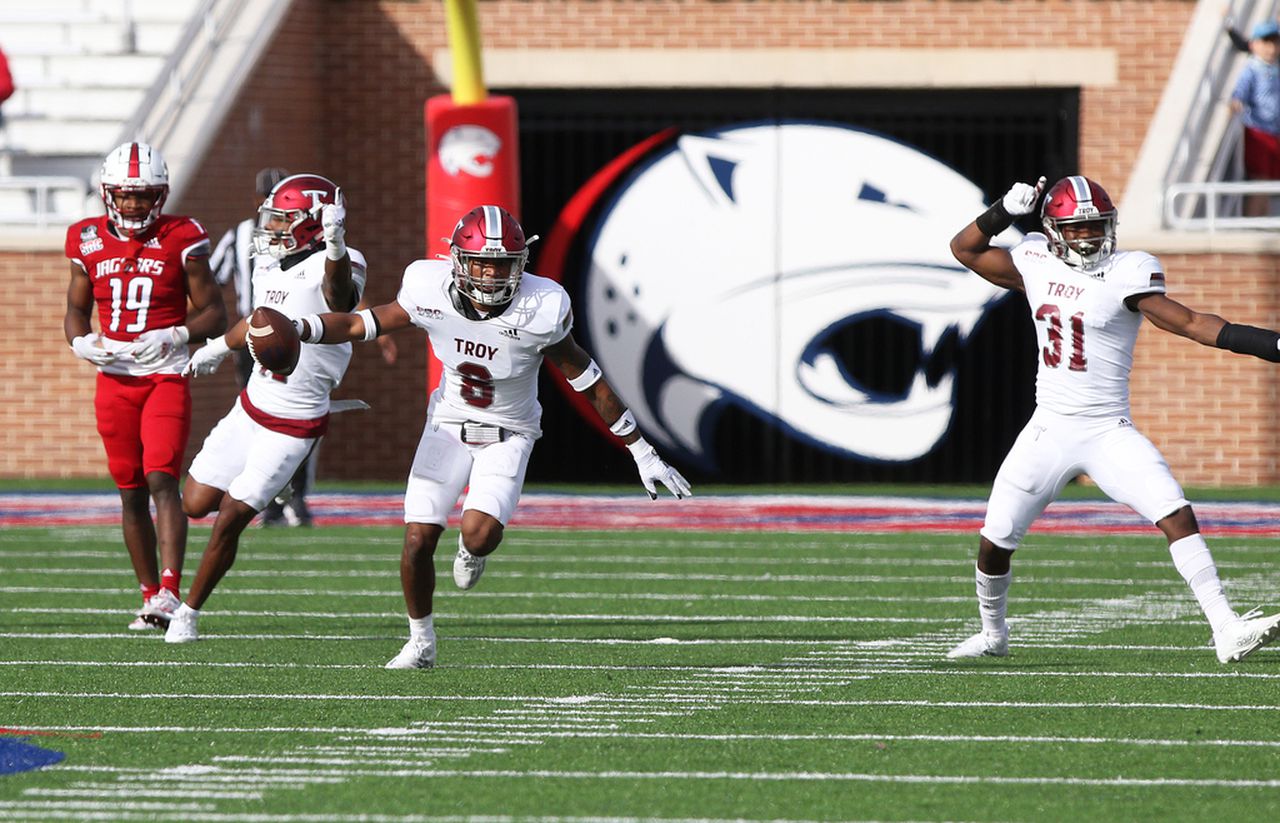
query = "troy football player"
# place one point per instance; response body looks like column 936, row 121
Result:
column 303, row 266
column 148, row 275
column 1087, row 300
column 491, row 323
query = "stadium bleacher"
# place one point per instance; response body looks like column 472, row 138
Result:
column 81, row 69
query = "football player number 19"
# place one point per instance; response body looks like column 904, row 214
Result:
column 477, row 385
column 137, row 299
column 1053, row 352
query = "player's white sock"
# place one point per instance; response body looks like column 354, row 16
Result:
column 993, row 600
column 1193, row 561
column 421, row 628
column 185, row 610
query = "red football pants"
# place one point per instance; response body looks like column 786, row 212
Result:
column 144, row 423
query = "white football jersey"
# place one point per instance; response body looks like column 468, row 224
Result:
column 490, row 366
column 1085, row 331
column 298, row 291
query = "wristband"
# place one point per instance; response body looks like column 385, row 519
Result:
column 311, row 329
column 994, row 220
column 587, row 379
column 640, row 448
column 335, row 250
column 1241, row 339
column 371, row 327
column 624, row 425
column 181, row 335
column 218, row 345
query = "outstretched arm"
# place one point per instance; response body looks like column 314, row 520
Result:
column 1208, row 329
column 584, row 376
column 972, row 246
column 366, row 324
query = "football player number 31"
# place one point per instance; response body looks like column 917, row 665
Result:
column 1052, row 316
column 477, row 385
column 133, row 296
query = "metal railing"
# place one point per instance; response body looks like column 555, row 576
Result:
column 39, row 211
column 1203, row 191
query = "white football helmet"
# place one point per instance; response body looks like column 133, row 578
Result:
column 491, row 234
column 133, row 167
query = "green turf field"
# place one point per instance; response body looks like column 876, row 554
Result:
column 638, row 675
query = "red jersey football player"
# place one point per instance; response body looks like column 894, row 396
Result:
column 141, row 268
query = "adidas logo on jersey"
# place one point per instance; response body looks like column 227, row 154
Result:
column 512, row 333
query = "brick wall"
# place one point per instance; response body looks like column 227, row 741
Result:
column 341, row 93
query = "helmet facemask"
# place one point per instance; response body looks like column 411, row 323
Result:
column 1087, row 252
column 277, row 231
column 483, row 289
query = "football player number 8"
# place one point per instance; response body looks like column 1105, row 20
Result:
column 477, row 385
column 1053, row 352
column 137, row 300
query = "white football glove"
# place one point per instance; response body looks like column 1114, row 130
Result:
column 1021, row 198
column 653, row 468
column 208, row 357
column 86, row 348
column 153, row 346
column 333, row 217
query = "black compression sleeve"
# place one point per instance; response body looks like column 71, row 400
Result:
column 1240, row 339
column 994, row 220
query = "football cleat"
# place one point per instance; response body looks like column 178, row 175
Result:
column 1246, row 635
column 418, row 653
column 160, row 608
column 141, row 624
column 982, row 645
column 182, row 626
column 467, row 568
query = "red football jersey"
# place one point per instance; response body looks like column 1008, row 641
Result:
column 139, row 283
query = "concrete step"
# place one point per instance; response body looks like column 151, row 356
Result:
column 72, row 103
column 53, row 137
column 86, row 71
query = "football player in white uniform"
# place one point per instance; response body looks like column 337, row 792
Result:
column 303, row 266
column 491, row 323
column 1087, row 300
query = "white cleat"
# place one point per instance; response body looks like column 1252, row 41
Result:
column 416, row 654
column 1245, row 636
column 467, row 568
column 982, row 645
column 182, row 626
column 141, row 624
column 160, row 608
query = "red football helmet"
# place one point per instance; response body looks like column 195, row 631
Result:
column 489, row 234
column 289, row 219
column 1078, row 200
column 133, row 167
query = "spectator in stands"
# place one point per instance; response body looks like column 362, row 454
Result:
column 6, row 83
column 6, row 91
column 147, row 275
column 1257, row 98
column 232, row 262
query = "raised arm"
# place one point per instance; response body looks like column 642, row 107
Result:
column 972, row 245
column 586, row 378
column 338, row 286
column 1207, row 329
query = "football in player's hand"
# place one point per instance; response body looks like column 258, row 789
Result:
column 273, row 341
